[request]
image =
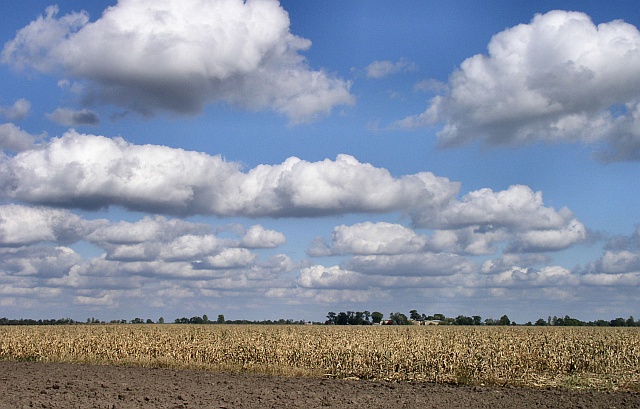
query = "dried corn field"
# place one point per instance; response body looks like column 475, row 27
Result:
column 598, row 358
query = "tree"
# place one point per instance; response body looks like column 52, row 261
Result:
column 540, row 323
column 439, row 317
column 342, row 319
column 504, row 320
column 377, row 316
column 356, row 318
column 477, row 320
column 161, row 320
column 331, row 318
column 414, row 315
column 220, row 319
column 398, row 318
column 205, row 319
column 463, row 320
column 572, row 322
column 367, row 315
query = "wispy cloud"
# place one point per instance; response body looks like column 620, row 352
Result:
column 69, row 117
column 13, row 138
column 382, row 69
column 19, row 110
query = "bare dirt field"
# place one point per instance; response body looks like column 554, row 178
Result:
column 55, row 385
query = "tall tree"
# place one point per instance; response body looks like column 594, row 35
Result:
column 342, row 318
column 504, row 320
column 367, row 315
column 331, row 318
column 377, row 316
column 398, row 318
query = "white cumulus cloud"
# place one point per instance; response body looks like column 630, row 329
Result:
column 229, row 259
column 331, row 277
column 374, row 238
column 38, row 261
column 616, row 262
column 259, row 237
column 23, row 225
column 87, row 171
column 156, row 228
column 518, row 207
column 558, row 78
column 155, row 55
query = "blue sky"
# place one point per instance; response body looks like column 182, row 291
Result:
column 282, row 160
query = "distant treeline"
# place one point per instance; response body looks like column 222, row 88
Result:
column 26, row 321
column 193, row 320
column 350, row 318
column 398, row 318
column 221, row 320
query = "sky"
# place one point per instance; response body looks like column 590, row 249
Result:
column 267, row 160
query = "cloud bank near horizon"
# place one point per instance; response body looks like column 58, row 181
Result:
column 438, row 249
column 182, row 259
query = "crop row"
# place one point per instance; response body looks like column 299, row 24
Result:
column 600, row 358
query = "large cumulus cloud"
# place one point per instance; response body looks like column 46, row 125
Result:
column 169, row 55
column 516, row 207
column 559, row 78
column 88, row 171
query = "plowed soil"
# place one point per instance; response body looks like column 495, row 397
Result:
column 53, row 385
